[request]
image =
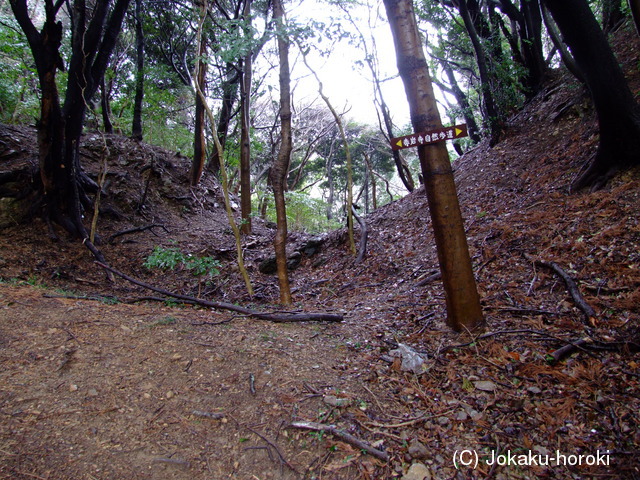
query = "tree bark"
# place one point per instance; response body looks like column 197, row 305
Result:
column 492, row 115
column 245, row 141
column 281, row 165
column 199, row 144
column 229, row 95
column 463, row 303
column 105, row 107
column 531, row 41
column 565, row 55
column 529, row 53
column 616, row 108
column 634, row 6
column 136, row 129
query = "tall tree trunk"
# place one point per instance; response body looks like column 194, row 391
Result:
column 136, row 130
column 463, row 303
column 531, row 41
column 492, row 115
column 105, row 107
column 463, row 103
column 612, row 15
column 199, row 144
column 245, row 141
column 223, row 172
column 565, row 55
column 372, row 176
column 527, row 48
column 229, row 94
column 330, row 182
column 616, row 108
column 281, row 165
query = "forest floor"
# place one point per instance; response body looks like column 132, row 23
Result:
column 99, row 381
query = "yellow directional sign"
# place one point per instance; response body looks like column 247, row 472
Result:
column 433, row 136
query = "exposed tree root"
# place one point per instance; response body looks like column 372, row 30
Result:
column 281, row 317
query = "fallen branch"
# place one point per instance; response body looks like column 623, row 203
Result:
column 364, row 234
column 347, row 437
column 136, row 230
column 579, row 300
column 588, row 344
column 272, row 317
column 568, row 349
column 429, row 279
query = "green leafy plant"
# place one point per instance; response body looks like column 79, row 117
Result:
column 164, row 258
column 172, row 257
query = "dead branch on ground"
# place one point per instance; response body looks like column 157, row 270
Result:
column 568, row 349
column 429, row 279
column 577, row 297
column 272, row 317
column 136, row 230
column 347, row 437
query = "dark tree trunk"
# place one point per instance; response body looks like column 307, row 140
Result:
column 463, row 303
column 245, row 140
column 612, row 15
column 281, row 165
column 616, row 108
column 565, row 55
column 229, row 96
column 531, row 41
column 136, row 128
column 493, row 118
column 634, row 6
column 60, row 128
column 105, row 107
column 199, row 145
column 463, row 103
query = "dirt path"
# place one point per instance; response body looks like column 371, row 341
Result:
column 130, row 391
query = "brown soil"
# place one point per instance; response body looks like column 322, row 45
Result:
column 99, row 383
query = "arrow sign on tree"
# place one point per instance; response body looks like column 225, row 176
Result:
column 433, row 136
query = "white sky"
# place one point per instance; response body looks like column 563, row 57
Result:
column 347, row 86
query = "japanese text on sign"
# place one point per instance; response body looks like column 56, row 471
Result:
column 438, row 135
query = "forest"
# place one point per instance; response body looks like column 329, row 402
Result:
column 215, row 264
